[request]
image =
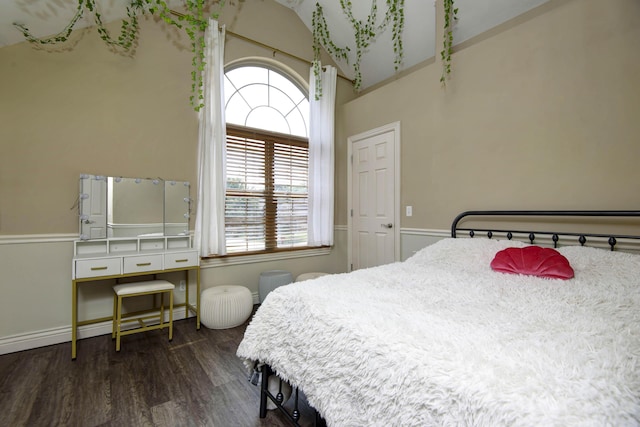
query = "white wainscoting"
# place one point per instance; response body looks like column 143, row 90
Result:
column 414, row 239
column 36, row 278
column 35, row 308
column 30, row 340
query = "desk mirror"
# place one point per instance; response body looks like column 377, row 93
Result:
column 112, row 207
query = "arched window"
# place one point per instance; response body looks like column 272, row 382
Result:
column 261, row 97
column 267, row 117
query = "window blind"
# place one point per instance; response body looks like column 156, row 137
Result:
column 267, row 191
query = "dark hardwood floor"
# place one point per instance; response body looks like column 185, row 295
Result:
column 195, row 380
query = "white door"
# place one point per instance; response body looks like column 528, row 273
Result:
column 374, row 197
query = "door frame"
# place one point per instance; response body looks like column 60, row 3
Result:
column 390, row 127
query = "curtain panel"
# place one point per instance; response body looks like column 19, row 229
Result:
column 209, row 228
column 321, row 158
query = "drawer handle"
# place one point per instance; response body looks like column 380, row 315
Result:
column 182, row 260
column 143, row 264
column 98, row 268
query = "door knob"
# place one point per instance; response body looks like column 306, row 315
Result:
column 386, row 225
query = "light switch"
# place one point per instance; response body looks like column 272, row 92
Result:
column 409, row 210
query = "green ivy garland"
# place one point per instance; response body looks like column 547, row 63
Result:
column 321, row 38
column 195, row 20
column 128, row 29
column 450, row 16
column 196, row 24
column 365, row 32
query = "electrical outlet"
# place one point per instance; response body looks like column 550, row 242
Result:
column 183, row 286
column 409, row 210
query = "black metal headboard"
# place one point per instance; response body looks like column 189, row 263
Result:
column 611, row 238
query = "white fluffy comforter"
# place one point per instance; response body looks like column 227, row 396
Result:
column 441, row 339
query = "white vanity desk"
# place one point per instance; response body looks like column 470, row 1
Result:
column 116, row 258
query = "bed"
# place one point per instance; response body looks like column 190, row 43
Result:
column 444, row 338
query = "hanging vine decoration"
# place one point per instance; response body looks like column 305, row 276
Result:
column 364, row 35
column 365, row 32
column 195, row 25
column 450, row 17
column 396, row 12
column 128, row 29
column 321, row 37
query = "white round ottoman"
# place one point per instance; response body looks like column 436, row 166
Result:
column 223, row 307
column 309, row 276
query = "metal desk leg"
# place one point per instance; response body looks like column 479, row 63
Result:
column 186, row 295
column 74, row 318
column 198, row 298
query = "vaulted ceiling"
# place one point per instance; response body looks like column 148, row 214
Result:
column 419, row 35
column 377, row 64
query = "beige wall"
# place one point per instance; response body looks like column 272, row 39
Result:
column 542, row 113
column 84, row 109
column 88, row 110
column 538, row 113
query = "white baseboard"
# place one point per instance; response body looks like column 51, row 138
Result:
column 62, row 334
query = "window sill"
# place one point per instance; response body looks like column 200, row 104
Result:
column 266, row 257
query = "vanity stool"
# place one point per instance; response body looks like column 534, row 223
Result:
column 125, row 290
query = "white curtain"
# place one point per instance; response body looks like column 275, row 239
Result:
column 321, row 158
column 209, row 233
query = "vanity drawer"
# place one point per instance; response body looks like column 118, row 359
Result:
column 180, row 259
column 98, row 267
column 139, row 263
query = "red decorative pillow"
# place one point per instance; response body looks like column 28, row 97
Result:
column 533, row 261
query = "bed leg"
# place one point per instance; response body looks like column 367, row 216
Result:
column 296, row 413
column 319, row 421
column 264, row 387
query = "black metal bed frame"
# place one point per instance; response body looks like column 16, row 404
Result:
column 294, row 415
column 612, row 240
